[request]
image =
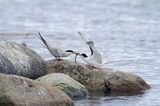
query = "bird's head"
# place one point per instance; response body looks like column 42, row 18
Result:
column 84, row 55
column 71, row 51
column 90, row 43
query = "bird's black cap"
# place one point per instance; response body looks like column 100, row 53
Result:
column 84, row 55
column 90, row 43
column 69, row 51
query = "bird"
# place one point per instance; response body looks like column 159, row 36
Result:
column 91, row 62
column 56, row 52
column 95, row 54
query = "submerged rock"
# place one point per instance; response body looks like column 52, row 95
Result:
column 67, row 84
column 19, row 60
column 104, row 80
column 20, row 91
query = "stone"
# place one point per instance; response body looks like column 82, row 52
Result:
column 20, row 91
column 67, row 84
column 99, row 79
column 20, row 60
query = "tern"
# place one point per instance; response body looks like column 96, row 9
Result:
column 91, row 62
column 95, row 54
column 57, row 53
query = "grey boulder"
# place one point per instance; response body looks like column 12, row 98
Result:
column 20, row 60
column 19, row 91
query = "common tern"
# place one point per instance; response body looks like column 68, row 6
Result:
column 95, row 54
column 57, row 53
column 90, row 61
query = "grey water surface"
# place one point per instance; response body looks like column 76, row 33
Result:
column 125, row 31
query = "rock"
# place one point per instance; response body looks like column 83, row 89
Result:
column 103, row 80
column 19, row 91
column 20, row 60
column 67, row 84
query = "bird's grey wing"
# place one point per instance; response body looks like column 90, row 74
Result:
column 98, row 58
column 54, row 52
column 43, row 40
column 87, row 42
column 83, row 37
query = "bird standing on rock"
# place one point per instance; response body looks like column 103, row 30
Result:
column 92, row 63
column 57, row 53
column 95, row 60
column 95, row 54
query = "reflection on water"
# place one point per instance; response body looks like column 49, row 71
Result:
column 123, row 30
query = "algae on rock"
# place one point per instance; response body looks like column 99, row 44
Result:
column 67, row 84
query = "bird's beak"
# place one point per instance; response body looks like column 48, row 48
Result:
column 75, row 60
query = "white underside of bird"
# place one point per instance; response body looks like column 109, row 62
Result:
column 91, row 62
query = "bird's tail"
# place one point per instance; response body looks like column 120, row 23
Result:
column 42, row 39
column 89, row 42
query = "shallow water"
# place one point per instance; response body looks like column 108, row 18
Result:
column 123, row 30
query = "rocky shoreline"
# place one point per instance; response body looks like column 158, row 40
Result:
column 27, row 80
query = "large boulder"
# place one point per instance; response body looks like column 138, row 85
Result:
column 19, row 91
column 20, row 60
column 67, row 84
column 102, row 79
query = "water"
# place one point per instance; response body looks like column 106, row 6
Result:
column 123, row 30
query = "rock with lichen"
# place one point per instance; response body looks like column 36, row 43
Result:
column 99, row 79
column 67, row 84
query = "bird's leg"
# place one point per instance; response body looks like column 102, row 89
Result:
column 58, row 58
column 90, row 66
